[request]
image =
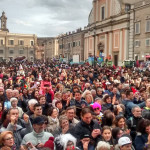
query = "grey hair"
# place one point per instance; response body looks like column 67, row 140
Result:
column 13, row 99
column 16, row 90
column 103, row 144
column 32, row 101
column 9, row 90
column 93, row 90
column 61, row 118
column 133, row 109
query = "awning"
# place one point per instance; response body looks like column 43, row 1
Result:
column 147, row 56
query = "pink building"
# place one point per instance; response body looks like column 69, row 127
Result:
column 108, row 29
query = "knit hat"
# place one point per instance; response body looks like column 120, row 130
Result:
column 50, row 143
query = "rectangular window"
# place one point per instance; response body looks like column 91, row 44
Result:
column 2, row 43
column 21, row 42
column 148, row 26
column 21, row 52
column 31, row 58
column 147, row 42
column 116, row 40
column 11, row 42
column 74, row 44
column 11, row 51
column 1, row 51
column 31, row 52
column 103, row 13
column 137, row 43
column 32, row 43
column 1, row 58
column 59, row 46
column 127, row 7
column 137, row 28
column 79, row 43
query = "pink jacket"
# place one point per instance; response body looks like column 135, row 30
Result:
column 42, row 88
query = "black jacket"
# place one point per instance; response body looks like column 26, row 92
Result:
column 45, row 109
column 132, row 125
column 83, row 129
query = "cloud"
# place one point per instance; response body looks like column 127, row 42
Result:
column 20, row 22
column 46, row 17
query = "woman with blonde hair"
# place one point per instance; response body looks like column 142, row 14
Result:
column 89, row 98
column 57, row 97
column 7, row 140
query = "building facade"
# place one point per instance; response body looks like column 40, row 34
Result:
column 71, row 44
column 108, row 31
column 142, row 30
column 14, row 45
column 47, row 48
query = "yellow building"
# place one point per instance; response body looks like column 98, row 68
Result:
column 14, row 45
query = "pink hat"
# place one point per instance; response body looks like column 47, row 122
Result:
column 96, row 105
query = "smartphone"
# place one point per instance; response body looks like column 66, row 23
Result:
column 29, row 145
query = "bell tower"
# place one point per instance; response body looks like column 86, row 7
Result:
column 3, row 19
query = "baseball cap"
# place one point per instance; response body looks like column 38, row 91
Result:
column 38, row 120
column 85, row 136
column 124, row 141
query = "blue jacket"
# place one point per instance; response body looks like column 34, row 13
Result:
column 140, row 141
column 129, row 105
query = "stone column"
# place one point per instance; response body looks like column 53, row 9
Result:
column 126, row 48
column 120, row 50
column 111, row 7
column 87, row 50
column 131, row 36
column 106, row 9
column 94, row 10
column 97, row 4
column 85, row 47
column 110, row 43
column 105, row 51
column 96, row 43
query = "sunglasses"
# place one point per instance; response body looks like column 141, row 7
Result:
column 96, row 109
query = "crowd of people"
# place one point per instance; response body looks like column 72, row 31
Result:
column 49, row 106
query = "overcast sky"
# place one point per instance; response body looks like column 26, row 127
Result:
column 45, row 18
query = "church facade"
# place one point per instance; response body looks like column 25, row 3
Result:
column 108, row 31
column 14, row 45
